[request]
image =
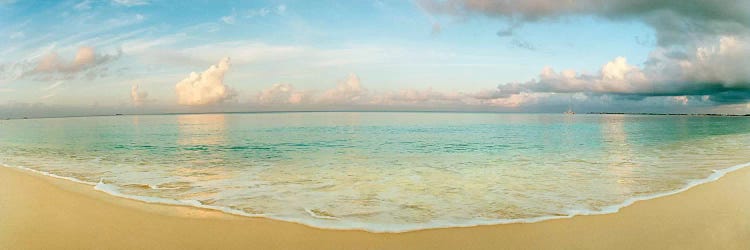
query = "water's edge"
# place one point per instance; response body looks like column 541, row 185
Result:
column 378, row 228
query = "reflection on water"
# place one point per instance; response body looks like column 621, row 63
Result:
column 619, row 151
column 201, row 129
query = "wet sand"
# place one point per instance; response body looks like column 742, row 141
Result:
column 40, row 212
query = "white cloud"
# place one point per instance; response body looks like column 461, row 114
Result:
column 516, row 100
column 83, row 5
column 281, row 93
column 51, row 66
column 48, row 96
column 228, row 19
column 242, row 52
column 137, row 46
column 281, row 9
column 702, row 46
column 265, row 11
column 53, row 86
column 137, row 96
column 84, row 57
column 418, row 97
column 681, row 99
column 17, row 35
column 205, row 88
column 348, row 91
column 616, row 76
column 130, row 3
column 257, row 12
column 718, row 70
column 351, row 92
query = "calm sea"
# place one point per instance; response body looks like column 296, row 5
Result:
column 381, row 171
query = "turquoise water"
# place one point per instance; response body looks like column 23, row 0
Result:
column 383, row 171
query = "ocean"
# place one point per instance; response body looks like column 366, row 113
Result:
column 384, row 171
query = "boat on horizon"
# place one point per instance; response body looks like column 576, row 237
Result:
column 570, row 111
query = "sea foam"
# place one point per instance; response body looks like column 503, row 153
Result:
column 329, row 222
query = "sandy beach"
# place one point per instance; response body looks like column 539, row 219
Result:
column 40, row 212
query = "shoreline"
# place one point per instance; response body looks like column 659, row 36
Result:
column 36, row 209
column 115, row 192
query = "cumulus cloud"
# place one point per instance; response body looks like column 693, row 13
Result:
column 138, row 97
column 348, row 91
column 351, row 92
column 681, row 99
column 281, row 93
column 702, row 47
column 717, row 71
column 205, row 88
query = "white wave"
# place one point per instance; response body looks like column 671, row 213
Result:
column 327, row 222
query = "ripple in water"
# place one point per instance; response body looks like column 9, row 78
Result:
column 384, row 171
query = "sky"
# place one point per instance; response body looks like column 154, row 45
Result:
column 85, row 57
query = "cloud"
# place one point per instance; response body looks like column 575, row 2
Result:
column 436, row 29
column 228, row 19
column 83, row 5
column 717, row 70
column 681, row 99
column 53, row 86
column 257, row 12
column 138, row 97
column 205, row 88
column 282, row 93
column 351, row 93
column 48, row 96
column 281, row 9
column 702, row 47
column 17, row 35
column 130, row 3
column 347, row 91
column 51, row 67
column 418, row 97
column 522, row 44
column 264, row 11
column 674, row 21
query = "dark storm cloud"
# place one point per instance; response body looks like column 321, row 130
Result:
column 702, row 48
column 674, row 21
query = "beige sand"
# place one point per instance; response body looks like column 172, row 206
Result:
column 39, row 212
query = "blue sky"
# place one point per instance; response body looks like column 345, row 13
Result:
column 131, row 55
